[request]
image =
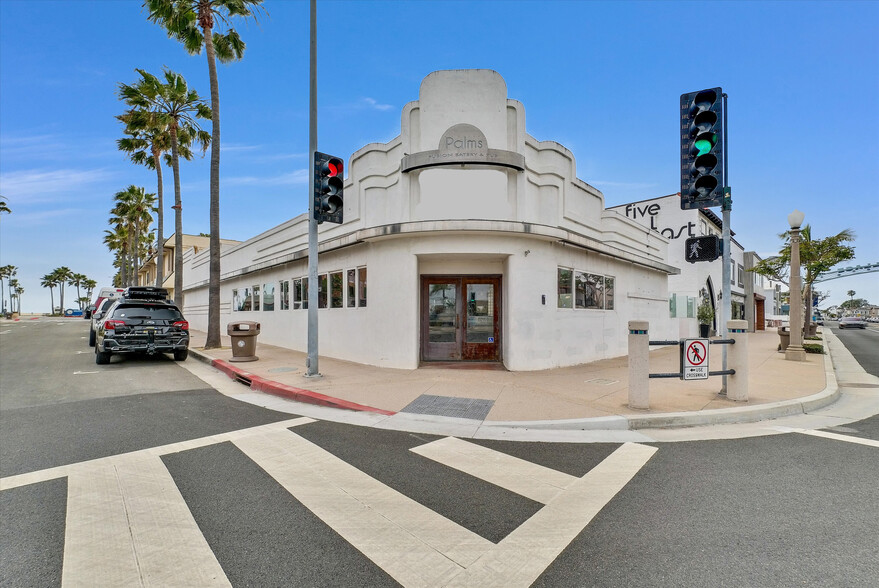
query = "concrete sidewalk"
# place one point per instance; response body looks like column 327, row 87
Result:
column 589, row 396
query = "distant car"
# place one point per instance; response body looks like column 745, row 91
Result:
column 73, row 312
column 852, row 322
column 133, row 325
column 112, row 293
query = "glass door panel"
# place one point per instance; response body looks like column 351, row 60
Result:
column 480, row 313
column 442, row 314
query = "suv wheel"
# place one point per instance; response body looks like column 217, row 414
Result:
column 102, row 357
column 181, row 354
column 91, row 337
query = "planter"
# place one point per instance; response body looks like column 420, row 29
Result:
column 704, row 330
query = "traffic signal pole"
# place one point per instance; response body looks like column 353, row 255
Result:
column 311, row 364
column 726, row 304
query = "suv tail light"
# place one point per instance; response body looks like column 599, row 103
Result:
column 184, row 325
column 110, row 325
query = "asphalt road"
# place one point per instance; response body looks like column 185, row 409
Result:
column 863, row 344
column 783, row 510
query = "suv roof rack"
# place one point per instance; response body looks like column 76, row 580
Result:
column 145, row 293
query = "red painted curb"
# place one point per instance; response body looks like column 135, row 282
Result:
column 260, row 384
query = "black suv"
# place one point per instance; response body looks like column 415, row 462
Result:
column 142, row 321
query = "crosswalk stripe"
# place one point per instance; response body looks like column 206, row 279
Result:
column 838, row 437
column 66, row 470
column 413, row 544
column 525, row 478
column 520, row 558
column 128, row 525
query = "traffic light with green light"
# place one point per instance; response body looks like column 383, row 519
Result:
column 328, row 184
column 702, row 134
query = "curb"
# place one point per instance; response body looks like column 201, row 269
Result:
column 259, row 384
column 670, row 420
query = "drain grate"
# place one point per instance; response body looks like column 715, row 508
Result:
column 449, row 406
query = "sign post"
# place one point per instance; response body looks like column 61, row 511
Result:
column 694, row 359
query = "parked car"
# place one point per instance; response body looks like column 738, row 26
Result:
column 99, row 313
column 138, row 325
column 112, row 293
column 852, row 322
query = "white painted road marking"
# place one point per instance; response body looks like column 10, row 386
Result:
column 838, row 437
column 127, row 523
column 527, row 479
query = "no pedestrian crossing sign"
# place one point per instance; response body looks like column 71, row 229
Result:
column 694, row 359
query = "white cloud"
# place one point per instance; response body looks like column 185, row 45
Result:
column 297, row 177
column 37, row 185
column 372, row 103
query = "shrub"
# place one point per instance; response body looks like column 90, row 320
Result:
column 814, row 348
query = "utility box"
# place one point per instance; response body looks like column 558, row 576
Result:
column 243, row 335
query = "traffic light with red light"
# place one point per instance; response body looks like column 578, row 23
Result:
column 328, row 184
column 702, row 138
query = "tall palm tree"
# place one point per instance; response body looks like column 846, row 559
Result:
column 146, row 146
column 49, row 281
column 174, row 105
column 6, row 272
column 192, row 23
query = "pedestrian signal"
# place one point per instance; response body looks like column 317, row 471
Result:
column 704, row 248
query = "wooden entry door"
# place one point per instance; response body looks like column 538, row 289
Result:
column 460, row 318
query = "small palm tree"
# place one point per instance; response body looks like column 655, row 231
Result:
column 62, row 276
column 133, row 210
column 192, row 23
column 171, row 104
column 90, row 285
column 15, row 292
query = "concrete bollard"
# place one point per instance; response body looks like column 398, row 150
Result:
column 639, row 365
column 737, row 359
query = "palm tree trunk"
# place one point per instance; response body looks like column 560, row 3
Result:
column 178, row 224
column 52, row 300
column 213, row 334
column 160, row 222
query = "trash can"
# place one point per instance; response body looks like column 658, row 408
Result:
column 784, row 335
column 243, row 335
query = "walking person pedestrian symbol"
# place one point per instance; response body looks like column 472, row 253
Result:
column 694, row 359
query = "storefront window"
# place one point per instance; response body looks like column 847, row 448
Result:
column 256, row 298
column 608, row 292
column 322, row 293
column 565, row 287
column 246, row 303
column 352, row 288
column 297, row 294
column 673, row 306
column 236, row 300
column 361, row 289
column 285, row 295
column 268, row 297
column 336, row 290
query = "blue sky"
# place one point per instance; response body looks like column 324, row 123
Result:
column 601, row 78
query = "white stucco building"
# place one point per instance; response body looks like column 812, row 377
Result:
column 754, row 298
column 474, row 241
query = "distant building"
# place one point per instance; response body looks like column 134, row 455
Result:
column 192, row 244
column 477, row 242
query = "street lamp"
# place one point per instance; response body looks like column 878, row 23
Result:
column 795, row 351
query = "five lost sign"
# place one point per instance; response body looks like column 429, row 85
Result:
column 694, row 359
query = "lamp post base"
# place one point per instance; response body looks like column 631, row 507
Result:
column 795, row 353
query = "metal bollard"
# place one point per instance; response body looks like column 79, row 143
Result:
column 737, row 356
column 639, row 365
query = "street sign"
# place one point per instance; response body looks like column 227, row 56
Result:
column 694, row 359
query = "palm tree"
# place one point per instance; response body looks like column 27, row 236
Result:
column 90, row 285
column 174, row 105
column 15, row 292
column 3, row 206
column 851, row 295
column 133, row 210
column 6, row 272
column 78, row 280
column 63, row 276
column 117, row 242
column 49, row 281
column 192, row 23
